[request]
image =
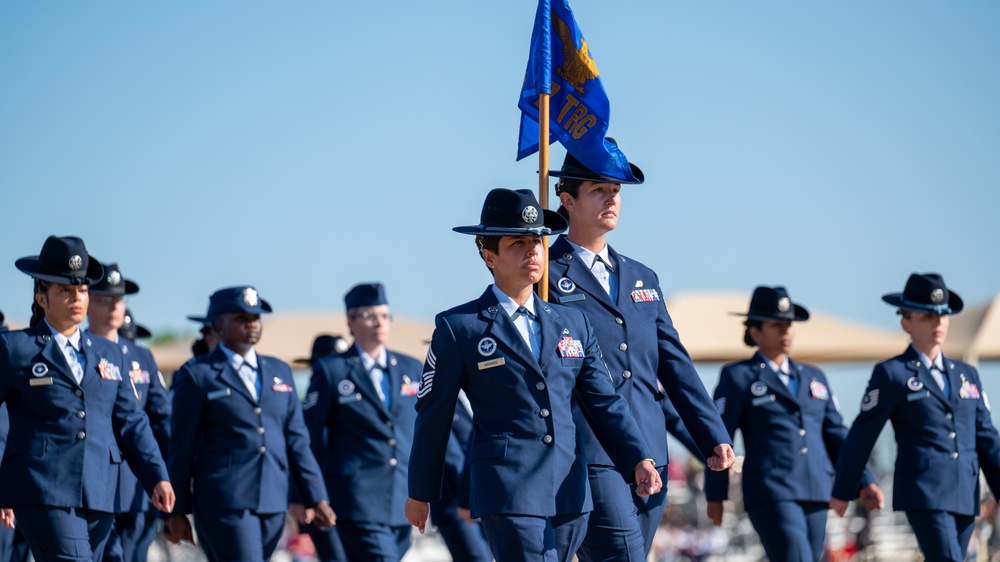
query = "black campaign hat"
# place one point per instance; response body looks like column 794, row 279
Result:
column 63, row 260
column 113, row 284
column 236, row 299
column 926, row 292
column 365, row 294
column 773, row 303
column 574, row 169
column 131, row 330
column 514, row 212
column 323, row 346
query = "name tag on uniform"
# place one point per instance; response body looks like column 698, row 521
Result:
column 347, row 399
column 40, row 382
column 918, row 395
column 571, row 298
column 491, row 363
column 762, row 400
column 215, row 395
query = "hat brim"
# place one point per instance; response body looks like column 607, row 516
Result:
column 303, row 360
column 130, row 288
column 33, row 267
column 553, row 223
column 587, row 175
column 142, row 332
column 954, row 306
column 799, row 314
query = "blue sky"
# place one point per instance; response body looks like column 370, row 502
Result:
column 833, row 147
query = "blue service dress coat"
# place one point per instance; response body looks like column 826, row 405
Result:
column 239, row 452
column 791, row 442
column 154, row 402
column 367, row 448
column 526, row 455
column 942, row 442
column 61, row 450
column 637, row 355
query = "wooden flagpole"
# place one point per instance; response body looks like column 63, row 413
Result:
column 543, row 185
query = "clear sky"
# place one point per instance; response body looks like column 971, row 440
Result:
column 833, row 147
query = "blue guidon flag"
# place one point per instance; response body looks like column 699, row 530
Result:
column 560, row 64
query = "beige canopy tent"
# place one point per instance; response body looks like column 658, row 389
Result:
column 711, row 333
column 975, row 332
column 289, row 336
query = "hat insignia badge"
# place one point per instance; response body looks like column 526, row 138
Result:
column 114, row 278
column 784, row 305
column 250, row 297
column 75, row 263
column 937, row 296
column 529, row 214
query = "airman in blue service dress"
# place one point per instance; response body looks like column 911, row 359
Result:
column 73, row 416
column 12, row 545
column 327, row 543
column 135, row 523
column 792, row 431
column 237, row 440
column 521, row 362
column 941, row 419
column 364, row 400
column 623, row 300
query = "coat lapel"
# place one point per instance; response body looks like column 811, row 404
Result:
column 923, row 374
column 953, row 379
column 395, row 383
column 548, row 319
column 91, row 376
column 229, row 375
column 770, row 378
column 502, row 328
column 53, row 355
column 363, row 380
column 580, row 274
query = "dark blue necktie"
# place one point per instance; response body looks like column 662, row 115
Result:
column 386, row 385
column 793, row 384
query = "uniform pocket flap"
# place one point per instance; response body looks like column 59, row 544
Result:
column 495, row 448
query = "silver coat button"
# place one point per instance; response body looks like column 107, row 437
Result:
column 623, row 346
column 544, row 413
column 81, row 435
column 951, row 435
column 803, row 450
column 619, row 320
column 78, row 393
column 540, row 385
column 948, row 416
column 393, row 462
column 262, row 450
column 260, row 431
column 802, row 432
column 257, row 411
column 81, row 414
column 954, row 455
column 547, row 439
column 392, row 442
column 626, row 374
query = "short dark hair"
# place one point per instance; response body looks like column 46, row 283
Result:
column 491, row 243
column 746, row 333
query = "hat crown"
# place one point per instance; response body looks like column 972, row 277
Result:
column 511, row 208
column 64, row 256
column 773, row 303
column 243, row 298
column 113, row 282
column 365, row 294
column 325, row 345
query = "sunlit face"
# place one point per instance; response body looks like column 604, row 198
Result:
column 107, row 311
column 239, row 329
column 517, row 261
column 774, row 338
column 597, row 205
column 64, row 304
column 370, row 324
column 927, row 330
